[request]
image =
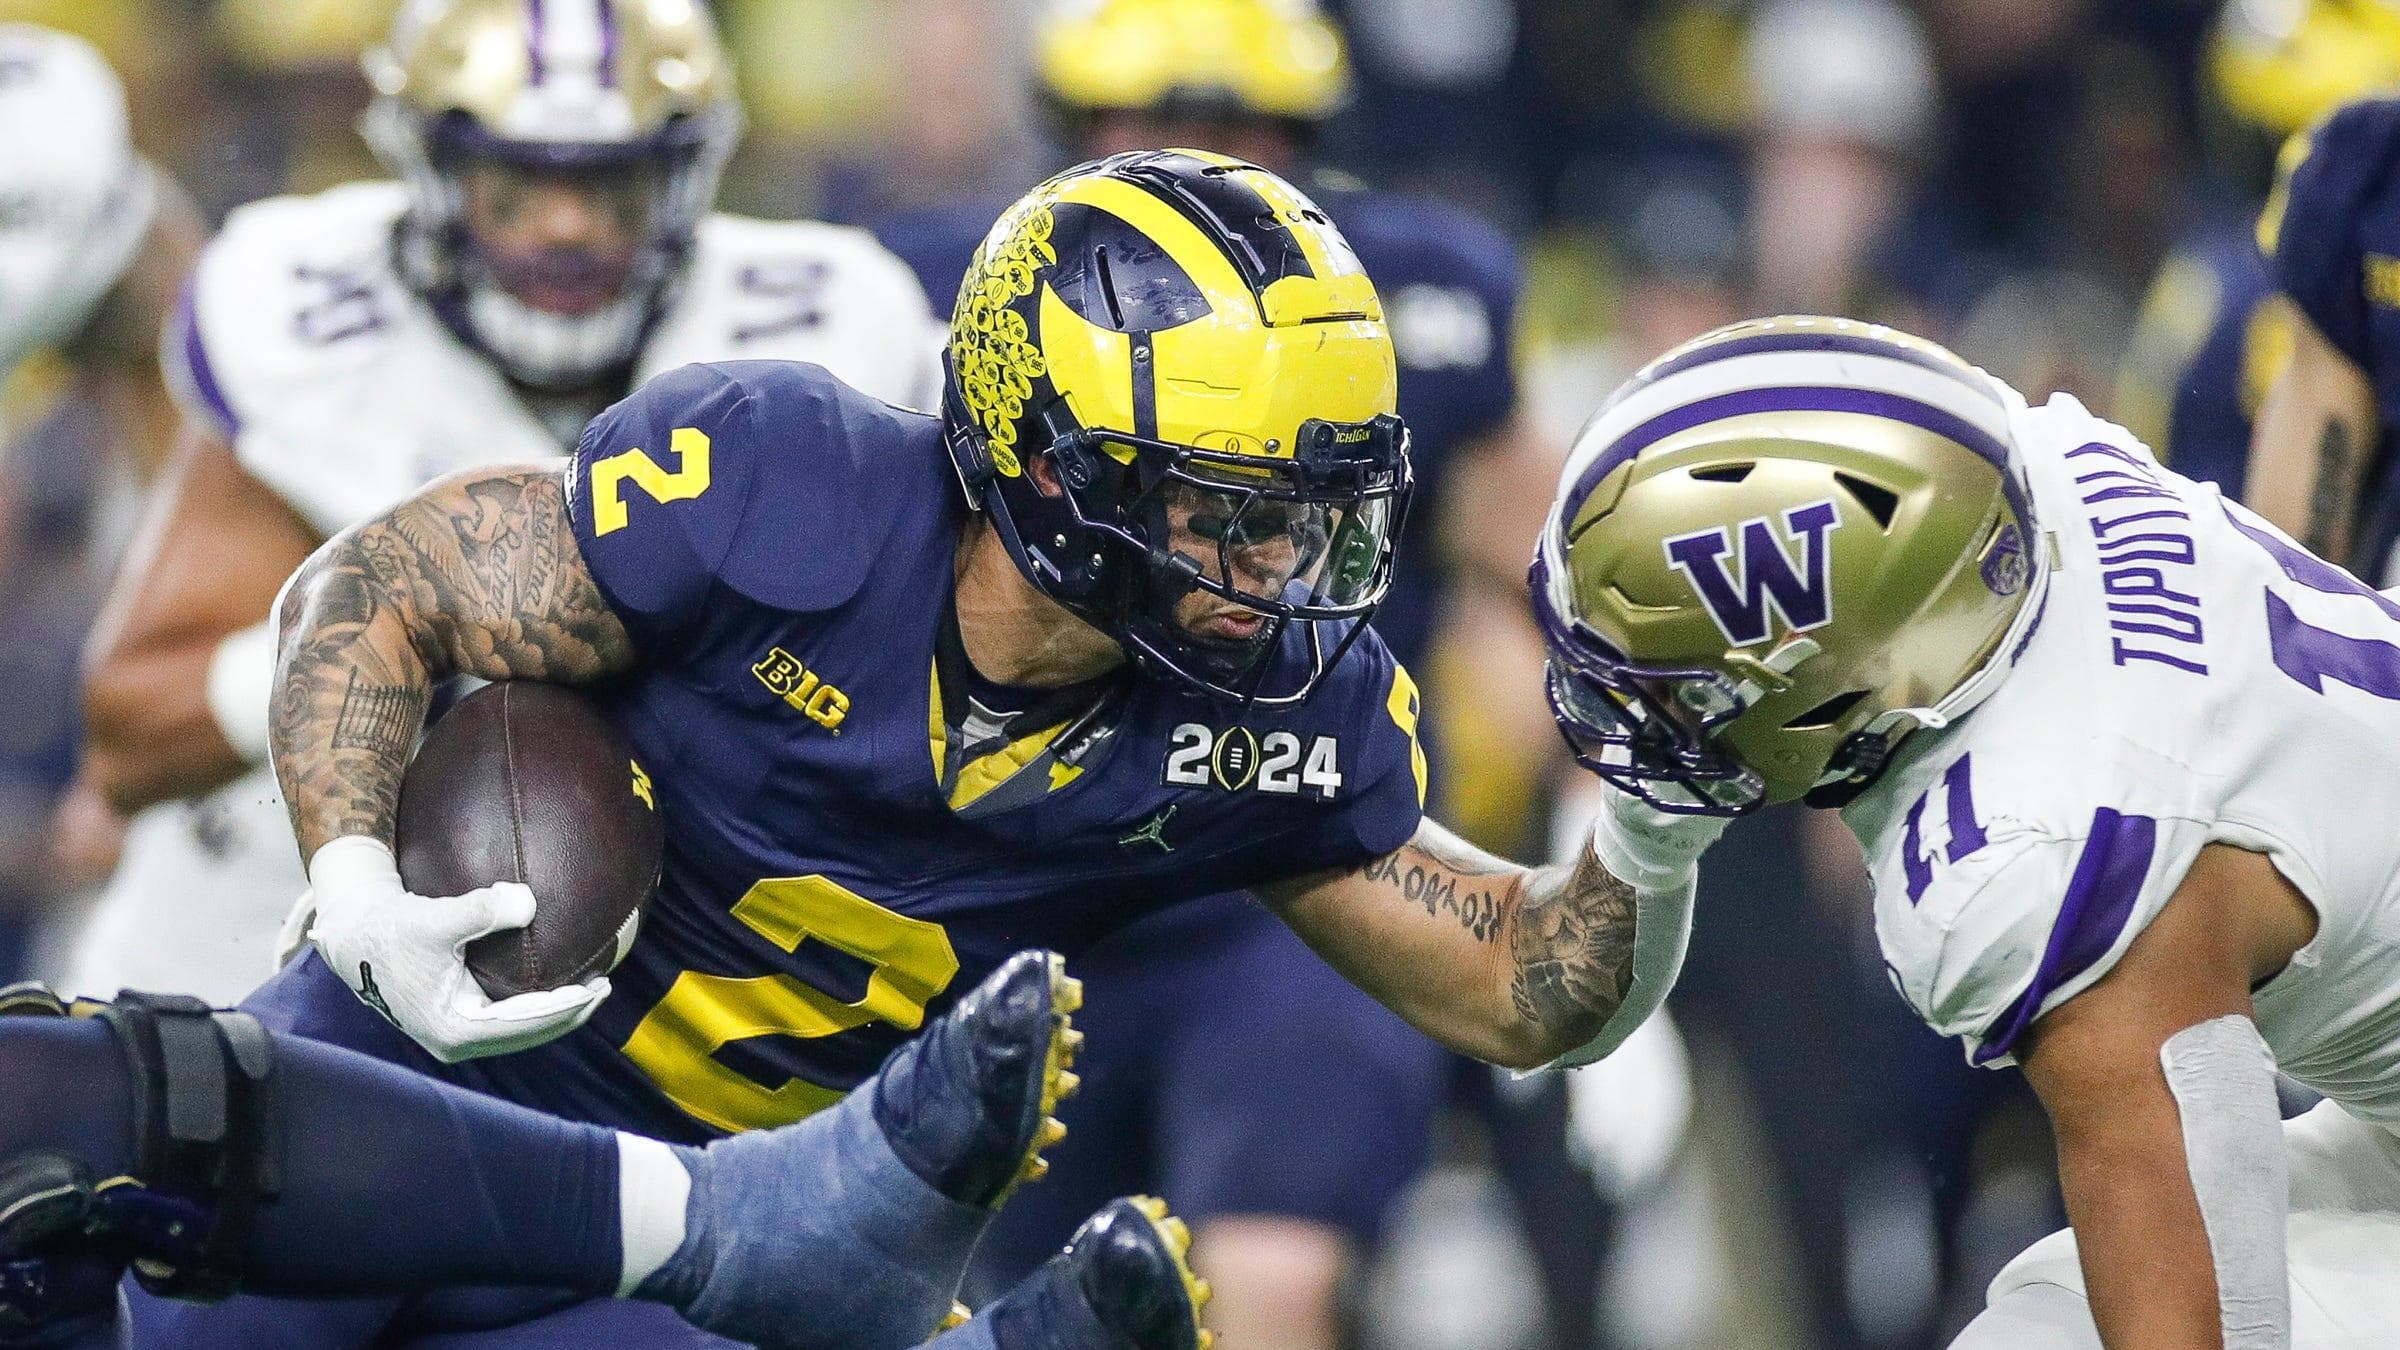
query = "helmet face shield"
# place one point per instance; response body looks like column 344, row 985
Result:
column 1645, row 730
column 1233, row 548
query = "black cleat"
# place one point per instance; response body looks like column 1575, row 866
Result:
column 1124, row 1283
column 969, row 1105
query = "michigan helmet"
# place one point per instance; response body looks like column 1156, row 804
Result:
column 1776, row 550
column 1208, row 58
column 637, row 94
column 1168, row 378
column 2281, row 64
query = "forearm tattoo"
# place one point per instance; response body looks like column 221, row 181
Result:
column 476, row 576
column 1459, row 887
column 1573, row 936
column 2328, row 501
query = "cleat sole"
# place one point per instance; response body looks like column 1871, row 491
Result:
column 1058, row 1082
column 1178, row 1239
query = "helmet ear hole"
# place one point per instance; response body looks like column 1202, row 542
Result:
column 1881, row 503
column 1827, row 713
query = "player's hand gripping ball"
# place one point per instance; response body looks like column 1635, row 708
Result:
column 527, row 782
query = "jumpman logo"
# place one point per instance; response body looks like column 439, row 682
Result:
column 1153, row 832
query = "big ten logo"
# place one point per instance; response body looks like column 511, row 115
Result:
column 1238, row 758
column 799, row 686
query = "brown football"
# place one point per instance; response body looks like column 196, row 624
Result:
column 526, row 782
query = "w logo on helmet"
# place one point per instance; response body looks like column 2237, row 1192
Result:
column 1764, row 574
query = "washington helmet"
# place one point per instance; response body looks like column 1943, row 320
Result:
column 637, row 94
column 1168, row 378
column 1776, row 550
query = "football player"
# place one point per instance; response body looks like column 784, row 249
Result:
column 2215, row 333
column 548, row 242
column 210, row 1153
column 915, row 691
column 2320, row 461
column 1281, row 1107
column 1787, row 562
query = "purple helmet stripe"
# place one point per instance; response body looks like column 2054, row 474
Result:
column 2100, row 900
column 1801, row 398
column 203, row 378
column 1857, row 344
column 1811, row 398
column 608, row 43
column 536, row 68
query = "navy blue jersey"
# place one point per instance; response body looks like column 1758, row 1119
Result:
column 2212, row 340
column 781, row 549
column 2333, row 227
column 1448, row 282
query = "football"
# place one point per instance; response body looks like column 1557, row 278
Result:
column 523, row 781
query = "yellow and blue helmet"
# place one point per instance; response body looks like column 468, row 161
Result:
column 2280, row 65
column 1776, row 550
column 638, row 92
column 1276, row 59
column 1168, row 377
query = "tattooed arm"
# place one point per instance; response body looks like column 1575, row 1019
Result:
column 1512, row 965
column 478, row 574
column 2316, row 438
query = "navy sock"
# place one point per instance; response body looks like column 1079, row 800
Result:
column 391, row 1180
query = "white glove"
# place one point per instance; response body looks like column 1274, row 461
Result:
column 1647, row 847
column 404, row 956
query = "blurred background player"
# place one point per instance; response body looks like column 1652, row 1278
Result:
column 2320, row 464
column 547, row 244
column 2215, row 333
column 94, row 242
column 1280, row 1108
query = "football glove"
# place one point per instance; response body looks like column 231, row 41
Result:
column 404, row 956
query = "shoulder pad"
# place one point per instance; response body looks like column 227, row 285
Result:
column 771, row 479
column 291, row 291
column 2326, row 177
column 1988, row 920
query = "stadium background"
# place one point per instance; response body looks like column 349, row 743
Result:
column 2006, row 175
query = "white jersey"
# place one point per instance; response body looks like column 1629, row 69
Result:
column 75, row 200
column 344, row 393
column 2195, row 677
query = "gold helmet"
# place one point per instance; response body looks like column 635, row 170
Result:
column 1776, row 550
column 2282, row 64
column 1213, row 58
column 631, row 97
column 1169, row 377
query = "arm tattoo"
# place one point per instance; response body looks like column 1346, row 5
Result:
column 1573, row 939
column 478, row 575
column 2328, row 500
column 1463, row 887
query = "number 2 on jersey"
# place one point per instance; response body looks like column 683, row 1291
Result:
column 634, row 467
column 676, row 1044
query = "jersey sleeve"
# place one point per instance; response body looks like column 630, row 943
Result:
column 657, row 492
column 77, row 199
column 1382, row 795
column 1987, row 926
column 2309, row 229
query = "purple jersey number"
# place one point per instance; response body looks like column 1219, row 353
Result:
column 2310, row 654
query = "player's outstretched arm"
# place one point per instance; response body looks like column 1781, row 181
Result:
column 1513, row 965
column 478, row 574
column 2315, row 437
column 2170, row 1153
column 177, row 669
